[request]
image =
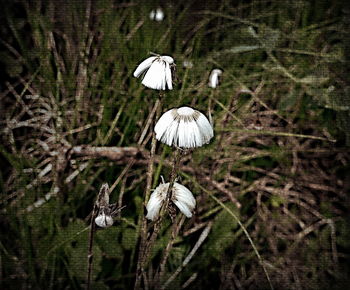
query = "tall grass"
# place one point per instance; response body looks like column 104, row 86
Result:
column 278, row 163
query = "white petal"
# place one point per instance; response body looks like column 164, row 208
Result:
column 217, row 71
column 171, row 135
column 189, row 134
column 167, row 59
column 155, row 202
column 152, row 14
column 168, row 76
column 185, row 111
column 213, row 81
column 206, row 130
column 143, row 66
column 163, row 79
column 157, row 15
column 183, row 199
column 163, row 123
column 155, row 76
column 214, row 78
column 196, row 135
column 153, row 207
column 184, row 194
column 183, row 208
column 181, row 140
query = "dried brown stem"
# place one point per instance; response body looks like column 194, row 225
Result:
column 201, row 239
column 174, row 233
column 91, row 242
column 149, row 243
column 112, row 153
column 143, row 247
column 102, row 200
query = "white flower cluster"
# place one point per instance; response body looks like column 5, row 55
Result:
column 157, row 72
column 183, row 127
column 181, row 196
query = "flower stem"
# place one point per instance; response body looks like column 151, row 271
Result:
column 142, row 257
column 146, row 245
column 90, row 250
column 173, row 174
column 174, row 233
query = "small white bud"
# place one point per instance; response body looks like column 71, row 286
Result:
column 103, row 220
column 187, row 64
column 157, row 15
column 214, row 78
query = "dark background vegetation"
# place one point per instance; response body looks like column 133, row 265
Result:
column 279, row 161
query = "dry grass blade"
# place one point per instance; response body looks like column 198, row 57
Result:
column 189, row 257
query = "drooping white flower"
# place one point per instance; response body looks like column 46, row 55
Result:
column 157, row 14
column 157, row 72
column 103, row 220
column 155, row 202
column 182, row 197
column 183, row 127
column 214, row 78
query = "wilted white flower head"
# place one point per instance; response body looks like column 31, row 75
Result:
column 157, row 72
column 181, row 196
column 214, row 78
column 106, row 211
column 103, row 220
column 183, row 127
column 157, row 14
column 188, row 64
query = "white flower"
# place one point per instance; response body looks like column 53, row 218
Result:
column 103, row 220
column 183, row 127
column 182, row 197
column 214, row 78
column 157, row 14
column 157, row 72
column 187, row 64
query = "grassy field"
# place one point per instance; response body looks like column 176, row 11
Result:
column 272, row 187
